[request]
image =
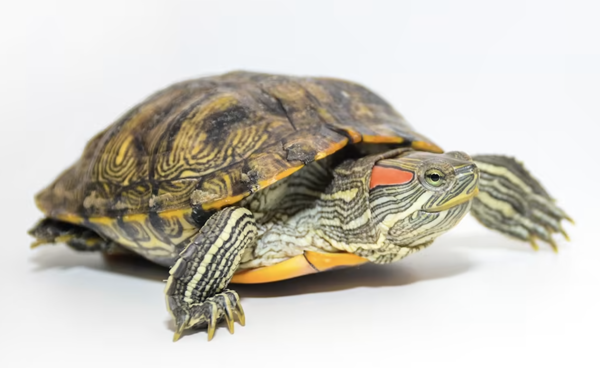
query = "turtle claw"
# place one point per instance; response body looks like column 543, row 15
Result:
column 228, row 313
column 534, row 244
column 239, row 311
column 182, row 322
column 208, row 314
column 212, row 321
column 540, row 224
column 553, row 245
column 178, row 333
column 564, row 233
column 36, row 244
column 551, row 240
column 514, row 203
column 542, row 218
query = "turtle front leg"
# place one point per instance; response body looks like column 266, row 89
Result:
column 513, row 202
column 195, row 292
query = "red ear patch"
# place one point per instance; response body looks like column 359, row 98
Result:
column 389, row 176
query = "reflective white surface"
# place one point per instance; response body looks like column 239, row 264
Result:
column 517, row 77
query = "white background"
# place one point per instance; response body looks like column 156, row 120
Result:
column 510, row 76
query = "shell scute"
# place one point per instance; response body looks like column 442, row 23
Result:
column 212, row 141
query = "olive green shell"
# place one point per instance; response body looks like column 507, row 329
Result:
column 212, row 141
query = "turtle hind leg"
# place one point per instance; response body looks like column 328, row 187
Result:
column 50, row 231
column 196, row 293
column 513, row 202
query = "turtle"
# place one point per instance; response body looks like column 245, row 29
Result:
column 249, row 177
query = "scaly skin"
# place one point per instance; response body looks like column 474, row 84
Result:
column 346, row 217
column 513, row 202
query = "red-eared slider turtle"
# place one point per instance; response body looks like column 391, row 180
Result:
column 251, row 178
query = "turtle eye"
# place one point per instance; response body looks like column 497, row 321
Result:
column 434, row 177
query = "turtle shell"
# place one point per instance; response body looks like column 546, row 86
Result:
column 212, row 141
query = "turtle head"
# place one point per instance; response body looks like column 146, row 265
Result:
column 417, row 196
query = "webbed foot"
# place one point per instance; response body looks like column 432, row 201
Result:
column 512, row 201
column 223, row 306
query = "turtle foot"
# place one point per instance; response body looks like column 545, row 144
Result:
column 223, row 306
column 513, row 202
column 543, row 222
column 195, row 291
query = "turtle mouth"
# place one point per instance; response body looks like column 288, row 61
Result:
column 455, row 202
